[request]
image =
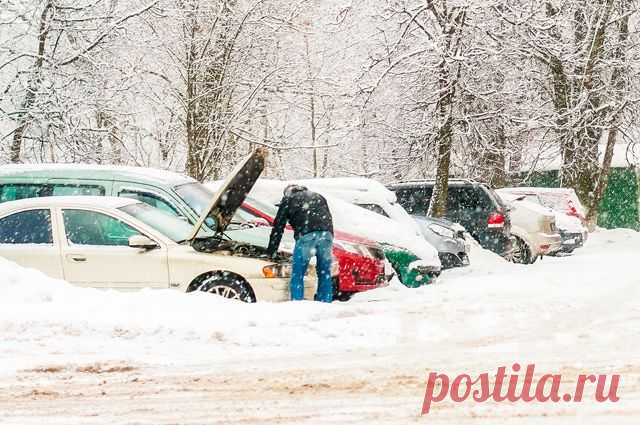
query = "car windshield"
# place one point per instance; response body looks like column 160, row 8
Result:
column 495, row 198
column 374, row 208
column 174, row 228
column 196, row 195
column 264, row 207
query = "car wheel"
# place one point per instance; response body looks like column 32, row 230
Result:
column 521, row 252
column 227, row 286
column 338, row 295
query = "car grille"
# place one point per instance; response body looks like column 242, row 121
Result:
column 376, row 253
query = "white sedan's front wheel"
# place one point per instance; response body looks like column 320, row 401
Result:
column 227, row 286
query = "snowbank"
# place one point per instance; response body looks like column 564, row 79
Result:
column 159, row 325
column 45, row 321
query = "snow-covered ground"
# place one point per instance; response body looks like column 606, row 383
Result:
column 71, row 355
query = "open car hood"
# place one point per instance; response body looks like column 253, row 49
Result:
column 232, row 193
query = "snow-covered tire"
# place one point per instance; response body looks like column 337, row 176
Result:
column 521, row 252
column 227, row 285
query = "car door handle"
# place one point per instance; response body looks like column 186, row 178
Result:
column 77, row 258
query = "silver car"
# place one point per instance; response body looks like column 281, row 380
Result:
column 448, row 238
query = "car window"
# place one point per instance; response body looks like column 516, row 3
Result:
column 14, row 192
column 415, row 200
column 243, row 216
column 263, row 206
column 77, row 190
column 374, row 208
column 93, row 228
column 467, row 199
column 177, row 230
column 150, row 199
column 196, row 195
column 492, row 199
column 27, row 227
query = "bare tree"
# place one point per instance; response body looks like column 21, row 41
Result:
column 66, row 36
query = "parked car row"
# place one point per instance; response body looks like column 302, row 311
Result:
column 136, row 228
column 81, row 223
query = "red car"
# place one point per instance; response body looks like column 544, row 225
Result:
column 361, row 261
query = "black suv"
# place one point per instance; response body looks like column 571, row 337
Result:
column 474, row 205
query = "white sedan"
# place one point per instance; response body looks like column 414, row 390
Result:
column 121, row 243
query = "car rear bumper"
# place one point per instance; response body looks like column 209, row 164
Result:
column 571, row 241
column 548, row 244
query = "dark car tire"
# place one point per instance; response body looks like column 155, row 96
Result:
column 338, row 295
column 521, row 252
column 227, row 286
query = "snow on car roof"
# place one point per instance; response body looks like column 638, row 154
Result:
column 98, row 171
column 70, row 201
column 624, row 155
column 517, row 200
column 560, row 195
column 357, row 187
column 358, row 221
column 537, row 190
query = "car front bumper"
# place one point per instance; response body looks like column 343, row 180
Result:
column 277, row 289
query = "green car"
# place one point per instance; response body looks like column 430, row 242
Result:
column 404, row 264
column 173, row 193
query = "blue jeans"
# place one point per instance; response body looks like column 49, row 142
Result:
column 320, row 245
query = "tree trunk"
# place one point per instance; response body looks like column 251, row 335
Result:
column 438, row 204
column 582, row 170
column 452, row 31
column 619, row 83
column 32, row 86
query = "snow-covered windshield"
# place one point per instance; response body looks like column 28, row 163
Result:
column 196, row 195
column 262, row 206
column 174, row 228
column 374, row 208
column 399, row 214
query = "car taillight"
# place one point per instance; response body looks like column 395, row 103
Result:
column 572, row 211
column 496, row 220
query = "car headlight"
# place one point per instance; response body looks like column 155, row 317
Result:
column 442, row 231
column 275, row 271
column 335, row 266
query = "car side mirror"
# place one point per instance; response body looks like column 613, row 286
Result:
column 142, row 242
